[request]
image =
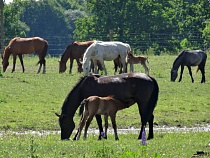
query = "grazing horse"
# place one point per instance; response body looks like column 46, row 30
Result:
column 105, row 51
column 129, row 88
column 107, row 106
column 131, row 59
column 19, row 46
column 73, row 51
column 189, row 58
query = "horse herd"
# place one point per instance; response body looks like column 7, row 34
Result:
column 103, row 94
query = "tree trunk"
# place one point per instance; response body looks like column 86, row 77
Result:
column 2, row 26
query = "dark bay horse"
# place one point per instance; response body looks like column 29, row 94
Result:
column 189, row 58
column 129, row 88
column 107, row 106
column 19, row 46
column 73, row 51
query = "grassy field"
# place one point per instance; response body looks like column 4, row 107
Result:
column 28, row 102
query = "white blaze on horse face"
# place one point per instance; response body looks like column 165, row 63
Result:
column 86, row 67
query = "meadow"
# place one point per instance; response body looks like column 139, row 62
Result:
column 29, row 101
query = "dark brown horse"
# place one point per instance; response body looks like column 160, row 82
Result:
column 73, row 51
column 107, row 106
column 19, row 46
column 189, row 58
column 129, row 88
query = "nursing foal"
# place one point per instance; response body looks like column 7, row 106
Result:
column 107, row 106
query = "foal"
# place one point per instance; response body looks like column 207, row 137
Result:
column 131, row 59
column 107, row 106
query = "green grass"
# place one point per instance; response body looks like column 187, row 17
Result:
column 28, row 102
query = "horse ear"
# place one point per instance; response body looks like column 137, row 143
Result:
column 57, row 114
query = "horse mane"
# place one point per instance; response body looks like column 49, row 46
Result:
column 69, row 45
column 65, row 104
column 179, row 56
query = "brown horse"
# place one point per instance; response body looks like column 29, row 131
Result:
column 189, row 58
column 73, row 51
column 131, row 59
column 129, row 88
column 19, row 46
column 107, row 106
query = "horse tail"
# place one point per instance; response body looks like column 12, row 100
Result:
column 197, row 69
column 44, row 53
column 153, row 99
column 83, row 103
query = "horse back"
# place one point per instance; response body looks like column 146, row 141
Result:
column 194, row 57
column 27, row 45
column 76, row 50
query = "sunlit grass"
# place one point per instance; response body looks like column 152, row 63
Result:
column 28, row 102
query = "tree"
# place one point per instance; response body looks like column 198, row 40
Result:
column 2, row 25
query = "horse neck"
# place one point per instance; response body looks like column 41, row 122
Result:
column 66, row 55
column 177, row 63
column 6, row 54
column 73, row 100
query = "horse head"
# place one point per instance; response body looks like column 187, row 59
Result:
column 5, row 58
column 79, row 68
column 67, row 125
column 62, row 67
column 174, row 75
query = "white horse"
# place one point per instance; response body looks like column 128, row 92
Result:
column 105, row 51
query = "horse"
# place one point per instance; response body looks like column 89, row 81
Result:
column 107, row 106
column 105, row 51
column 131, row 59
column 117, row 64
column 129, row 88
column 73, row 51
column 189, row 58
column 19, row 46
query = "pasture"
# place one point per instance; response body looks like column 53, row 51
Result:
column 28, row 102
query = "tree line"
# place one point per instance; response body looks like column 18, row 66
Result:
column 155, row 26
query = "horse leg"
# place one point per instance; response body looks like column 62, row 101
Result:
column 143, row 116
column 14, row 62
column 44, row 66
column 181, row 72
column 103, row 66
column 123, row 64
column 106, row 124
column 131, row 67
column 71, row 65
column 151, row 133
column 146, row 68
column 87, row 124
column 21, row 61
column 95, row 66
column 100, row 126
column 114, row 125
column 190, row 72
column 82, row 123
column 201, row 67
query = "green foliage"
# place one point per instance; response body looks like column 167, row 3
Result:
column 160, row 25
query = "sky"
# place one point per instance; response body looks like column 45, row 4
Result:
column 8, row 1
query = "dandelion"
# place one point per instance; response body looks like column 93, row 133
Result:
column 143, row 138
